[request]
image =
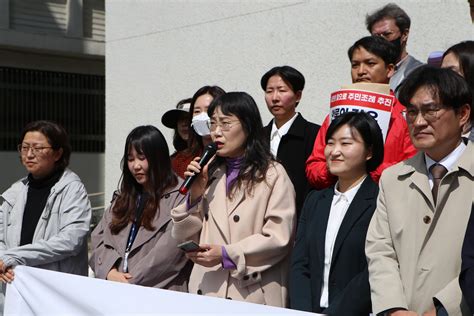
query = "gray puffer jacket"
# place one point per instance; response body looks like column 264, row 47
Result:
column 60, row 239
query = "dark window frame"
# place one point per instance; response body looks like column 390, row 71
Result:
column 76, row 101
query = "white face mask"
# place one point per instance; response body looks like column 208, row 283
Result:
column 199, row 124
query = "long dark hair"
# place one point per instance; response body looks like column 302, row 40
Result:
column 150, row 142
column 257, row 156
column 195, row 144
column 464, row 51
column 178, row 142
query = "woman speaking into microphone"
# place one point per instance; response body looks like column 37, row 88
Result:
column 240, row 210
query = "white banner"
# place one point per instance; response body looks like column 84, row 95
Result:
column 42, row 292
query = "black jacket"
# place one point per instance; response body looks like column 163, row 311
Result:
column 349, row 289
column 293, row 151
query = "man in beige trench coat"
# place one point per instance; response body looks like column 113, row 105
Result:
column 414, row 239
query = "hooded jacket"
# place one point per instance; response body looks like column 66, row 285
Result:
column 60, row 238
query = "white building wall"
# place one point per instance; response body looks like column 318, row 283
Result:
column 161, row 51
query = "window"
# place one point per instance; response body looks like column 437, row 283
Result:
column 76, row 101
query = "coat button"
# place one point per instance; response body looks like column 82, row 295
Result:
column 255, row 275
column 199, row 292
column 427, row 219
column 246, row 277
column 236, row 218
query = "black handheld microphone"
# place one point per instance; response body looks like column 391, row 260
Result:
column 209, row 152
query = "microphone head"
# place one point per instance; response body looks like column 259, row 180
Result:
column 211, row 148
column 183, row 190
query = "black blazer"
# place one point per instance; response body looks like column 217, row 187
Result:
column 466, row 278
column 349, row 290
column 293, row 151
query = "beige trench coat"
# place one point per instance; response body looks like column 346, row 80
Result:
column 413, row 247
column 256, row 230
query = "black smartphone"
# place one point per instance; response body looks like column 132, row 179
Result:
column 190, row 245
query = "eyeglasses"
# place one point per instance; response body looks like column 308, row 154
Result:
column 224, row 126
column 24, row 149
column 428, row 114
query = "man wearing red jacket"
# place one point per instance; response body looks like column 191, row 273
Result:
column 372, row 60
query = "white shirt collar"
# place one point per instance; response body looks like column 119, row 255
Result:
column 447, row 161
column 349, row 194
column 283, row 130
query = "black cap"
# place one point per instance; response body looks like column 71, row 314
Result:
column 171, row 117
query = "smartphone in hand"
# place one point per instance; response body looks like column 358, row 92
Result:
column 190, row 245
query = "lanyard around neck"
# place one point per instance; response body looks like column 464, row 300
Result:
column 136, row 222
column 134, row 229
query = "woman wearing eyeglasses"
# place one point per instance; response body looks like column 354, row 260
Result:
column 45, row 216
column 240, row 210
column 132, row 243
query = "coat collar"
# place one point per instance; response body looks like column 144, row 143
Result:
column 223, row 207
column 119, row 241
column 466, row 162
column 415, row 169
column 297, row 129
column 363, row 200
column 321, row 224
column 11, row 195
column 237, row 197
column 161, row 219
column 217, row 191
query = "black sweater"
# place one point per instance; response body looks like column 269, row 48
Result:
column 38, row 192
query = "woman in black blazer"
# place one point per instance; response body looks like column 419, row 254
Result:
column 329, row 269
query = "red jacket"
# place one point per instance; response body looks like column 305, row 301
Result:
column 397, row 147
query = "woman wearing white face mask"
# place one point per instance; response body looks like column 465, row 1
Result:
column 200, row 135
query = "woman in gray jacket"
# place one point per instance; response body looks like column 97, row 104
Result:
column 133, row 243
column 45, row 216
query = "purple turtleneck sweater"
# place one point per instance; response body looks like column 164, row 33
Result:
column 232, row 171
